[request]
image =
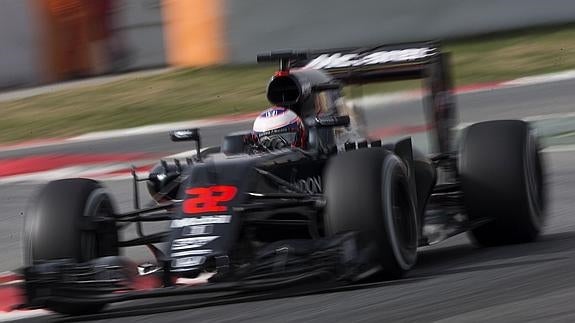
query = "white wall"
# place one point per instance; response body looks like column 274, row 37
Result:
column 261, row 25
column 18, row 47
column 141, row 27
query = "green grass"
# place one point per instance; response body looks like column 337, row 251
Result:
column 512, row 55
column 175, row 96
column 198, row 93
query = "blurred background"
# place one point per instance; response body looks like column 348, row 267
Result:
column 54, row 40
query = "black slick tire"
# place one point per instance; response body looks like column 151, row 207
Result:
column 66, row 220
column 367, row 191
column 502, row 177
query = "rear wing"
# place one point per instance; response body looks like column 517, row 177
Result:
column 385, row 63
column 374, row 64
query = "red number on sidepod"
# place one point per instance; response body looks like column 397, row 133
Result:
column 208, row 199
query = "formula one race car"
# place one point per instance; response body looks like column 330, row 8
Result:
column 265, row 218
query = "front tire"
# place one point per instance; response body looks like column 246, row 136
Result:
column 367, row 191
column 70, row 219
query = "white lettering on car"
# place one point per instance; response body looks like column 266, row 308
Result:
column 310, row 185
column 191, row 252
column 188, row 261
column 188, row 243
column 196, row 230
column 212, row 219
column 338, row 60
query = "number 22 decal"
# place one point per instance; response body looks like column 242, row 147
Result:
column 208, row 199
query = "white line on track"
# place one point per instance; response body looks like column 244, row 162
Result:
column 540, row 79
column 45, row 175
column 549, row 116
column 19, row 315
column 559, row 149
column 183, row 154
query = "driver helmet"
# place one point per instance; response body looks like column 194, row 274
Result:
column 279, row 127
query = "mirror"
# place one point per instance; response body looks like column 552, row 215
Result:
column 185, row 135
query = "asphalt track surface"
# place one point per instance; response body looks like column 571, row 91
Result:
column 453, row 281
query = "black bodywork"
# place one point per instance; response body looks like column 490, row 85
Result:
column 232, row 207
column 279, row 193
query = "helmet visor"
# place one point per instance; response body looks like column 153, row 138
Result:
column 278, row 141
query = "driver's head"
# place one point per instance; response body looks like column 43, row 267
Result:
column 279, row 127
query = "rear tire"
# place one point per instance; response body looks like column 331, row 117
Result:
column 502, row 178
column 367, row 191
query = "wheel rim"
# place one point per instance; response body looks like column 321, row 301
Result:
column 401, row 222
column 403, row 219
column 97, row 206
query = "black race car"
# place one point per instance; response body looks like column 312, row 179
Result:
column 337, row 212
